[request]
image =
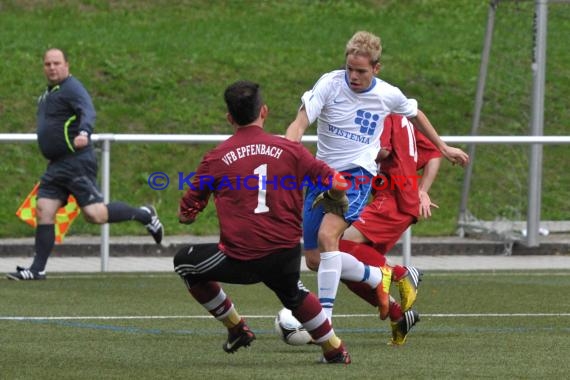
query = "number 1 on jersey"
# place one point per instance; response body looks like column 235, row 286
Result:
column 412, row 148
column 261, row 172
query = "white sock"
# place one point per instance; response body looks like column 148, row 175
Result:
column 353, row 269
column 328, row 278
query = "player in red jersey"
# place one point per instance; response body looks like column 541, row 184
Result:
column 399, row 201
column 257, row 181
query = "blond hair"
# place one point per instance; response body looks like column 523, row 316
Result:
column 365, row 44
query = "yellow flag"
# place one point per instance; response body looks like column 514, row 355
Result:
column 63, row 218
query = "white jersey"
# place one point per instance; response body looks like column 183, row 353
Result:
column 350, row 123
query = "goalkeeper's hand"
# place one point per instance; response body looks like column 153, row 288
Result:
column 332, row 203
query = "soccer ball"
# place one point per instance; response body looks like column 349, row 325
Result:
column 290, row 330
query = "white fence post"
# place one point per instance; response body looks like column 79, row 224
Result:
column 106, row 188
column 407, row 247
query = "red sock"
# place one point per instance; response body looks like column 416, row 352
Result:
column 369, row 256
column 363, row 252
column 363, row 291
column 395, row 312
column 309, row 309
column 398, row 272
column 206, row 292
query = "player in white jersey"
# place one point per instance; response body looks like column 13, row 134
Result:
column 350, row 106
column 349, row 123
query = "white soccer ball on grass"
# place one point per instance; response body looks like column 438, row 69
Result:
column 290, row 330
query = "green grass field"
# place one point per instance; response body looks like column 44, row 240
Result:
column 160, row 66
column 492, row 325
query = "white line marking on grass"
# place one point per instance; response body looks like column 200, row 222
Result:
column 501, row 315
column 494, row 273
column 145, row 317
column 64, row 276
column 427, row 273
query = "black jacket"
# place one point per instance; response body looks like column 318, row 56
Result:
column 64, row 110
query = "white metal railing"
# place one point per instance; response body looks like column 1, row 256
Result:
column 181, row 138
column 107, row 139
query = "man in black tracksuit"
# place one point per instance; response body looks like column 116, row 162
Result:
column 65, row 122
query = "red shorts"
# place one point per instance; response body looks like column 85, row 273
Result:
column 382, row 223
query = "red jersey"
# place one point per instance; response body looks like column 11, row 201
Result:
column 257, row 180
column 410, row 151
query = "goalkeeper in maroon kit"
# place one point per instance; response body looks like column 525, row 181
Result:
column 257, row 180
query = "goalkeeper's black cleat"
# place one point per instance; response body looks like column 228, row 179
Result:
column 338, row 356
column 242, row 338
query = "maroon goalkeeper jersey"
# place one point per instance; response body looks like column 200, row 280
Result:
column 257, row 180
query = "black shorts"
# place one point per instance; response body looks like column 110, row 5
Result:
column 280, row 271
column 75, row 175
